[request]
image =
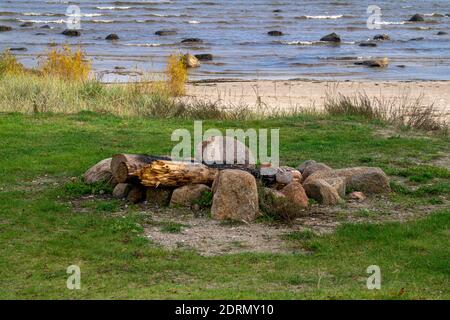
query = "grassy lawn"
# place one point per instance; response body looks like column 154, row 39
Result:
column 43, row 230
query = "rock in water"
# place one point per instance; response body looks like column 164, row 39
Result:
column 26, row 24
column 112, row 36
column 235, row 196
column 295, row 193
column 417, row 18
column 162, row 33
column 101, row 172
column 223, row 150
column 192, row 40
column 322, row 192
column 204, row 57
column 187, row 195
column 367, row 44
column 190, row 61
column 71, row 33
column 441, row 33
column 332, row 37
column 381, row 37
column 377, row 63
column 275, row 33
column 5, row 28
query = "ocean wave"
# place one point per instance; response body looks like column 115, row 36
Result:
column 310, row 43
column 113, row 8
column 81, row 15
column 42, row 14
column 339, row 16
column 60, row 21
column 142, row 44
column 193, row 22
column 390, row 22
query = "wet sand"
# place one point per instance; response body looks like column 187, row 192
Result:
column 285, row 95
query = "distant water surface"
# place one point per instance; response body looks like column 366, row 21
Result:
column 235, row 32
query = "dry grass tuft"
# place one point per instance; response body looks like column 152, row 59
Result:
column 66, row 64
column 402, row 111
column 177, row 76
column 9, row 64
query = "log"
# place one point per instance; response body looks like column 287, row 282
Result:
column 123, row 165
column 175, row 174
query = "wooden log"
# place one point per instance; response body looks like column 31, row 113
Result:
column 123, row 165
column 175, row 174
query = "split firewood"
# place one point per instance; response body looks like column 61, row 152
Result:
column 175, row 174
column 123, row 165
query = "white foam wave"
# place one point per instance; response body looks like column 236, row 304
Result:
column 142, row 44
column 60, row 21
column 114, row 8
column 194, row 22
column 339, row 16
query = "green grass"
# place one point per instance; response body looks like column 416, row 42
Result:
column 43, row 229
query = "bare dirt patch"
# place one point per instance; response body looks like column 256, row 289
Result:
column 210, row 237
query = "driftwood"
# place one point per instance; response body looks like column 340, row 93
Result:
column 123, row 165
column 175, row 173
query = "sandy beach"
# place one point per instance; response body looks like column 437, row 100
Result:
column 285, row 95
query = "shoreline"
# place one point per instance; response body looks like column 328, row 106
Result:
column 291, row 94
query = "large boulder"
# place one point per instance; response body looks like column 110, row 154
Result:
column 332, row 37
column 190, row 61
column 322, row 192
column 314, row 167
column 235, row 196
column 295, row 193
column 369, row 180
column 188, row 195
column 100, row 172
column 339, row 184
column 224, row 150
column 274, row 203
column 305, row 164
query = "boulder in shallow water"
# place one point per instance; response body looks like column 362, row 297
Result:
column 441, row 33
column 275, row 33
column 381, row 37
column 112, row 36
column 192, row 40
column 376, row 63
column 368, row 44
column 45, row 26
column 26, row 24
column 204, row 57
column 5, row 28
column 332, row 37
column 163, row 33
column 190, row 61
column 71, row 33
column 417, row 18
